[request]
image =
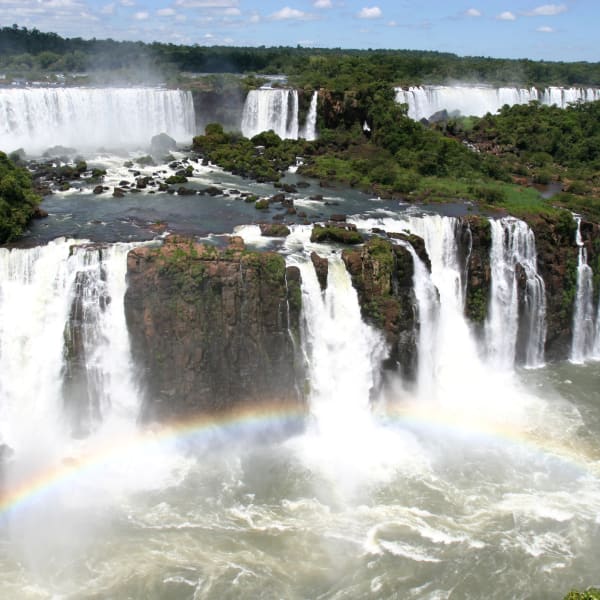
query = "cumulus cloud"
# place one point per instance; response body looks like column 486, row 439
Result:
column 373, row 12
column 547, row 10
column 506, row 16
column 141, row 15
column 290, row 14
column 255, row 18
column 166, row 12
column 127, row 2
column 472, row 12
column 108, row 9
column 546, row 29
column 207, row 3
column 322, row 4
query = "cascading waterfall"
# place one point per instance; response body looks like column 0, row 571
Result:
column 424, row 101
column 513, row 249
column 277, row 109
column 428, row 308
column 582, row 346
column 46, row 293
column 310, row 128
column 344, row 352
column 89, row 118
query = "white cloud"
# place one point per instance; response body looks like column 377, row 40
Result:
column 322, row 4
column 127, row 2
column 255, row 19
column 547, row 10
column 166, row 12
column 373, row 12
column 141, row 16
column 233, row 12
column 392, row 24
column 546, row 29
column 472, row 12
column 287, row 14
column 207, row 3
column 108, row 9
column 506, row 16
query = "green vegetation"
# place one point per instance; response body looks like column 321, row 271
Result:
column 589, row 594
column 17, row 199
column 29, row 52
column 331, row 233
column 545, row 144
column 263, row 158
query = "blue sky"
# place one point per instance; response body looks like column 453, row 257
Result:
column 535, row 29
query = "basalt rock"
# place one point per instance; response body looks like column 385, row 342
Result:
column 213, row 329
column 382, row 274
column 557, row 264
column 475, row 245
column 321, row 268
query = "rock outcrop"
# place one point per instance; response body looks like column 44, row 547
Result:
column 382, row 274
column 212, row 329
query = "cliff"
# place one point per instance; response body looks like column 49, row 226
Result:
column 382, row 274
column 212, row 329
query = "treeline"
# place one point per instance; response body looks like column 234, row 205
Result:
column 23, row 51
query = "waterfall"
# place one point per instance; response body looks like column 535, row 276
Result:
column 310, row 127
column 271, row 109
column 88, row 118
column 513, row 256
column 583, row 314
column 428, row 308
column 477, row 100
column 344, row 353
column 61, row 308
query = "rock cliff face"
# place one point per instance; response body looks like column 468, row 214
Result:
column 476, row 242
column 212, row 329
column 382, row 274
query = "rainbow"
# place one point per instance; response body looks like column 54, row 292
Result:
column 236, row 424
column 258, row 420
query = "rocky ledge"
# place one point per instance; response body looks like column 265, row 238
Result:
column 212, row 328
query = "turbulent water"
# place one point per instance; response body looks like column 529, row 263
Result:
column 277, row 110
column 89, row 118
column 475, row 481
column 424, row 101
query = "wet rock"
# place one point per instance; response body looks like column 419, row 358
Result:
column 162, row 144
column 210, row 328
column 118, row 193
column 321, row 268
column 274, row 230
column 98, row 189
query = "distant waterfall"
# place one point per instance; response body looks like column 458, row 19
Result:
column 310, row 128
column 277, row 109
column 513, row 251
column 88, row 118
column 424, row 101
column 61, row 308
column 583, row 315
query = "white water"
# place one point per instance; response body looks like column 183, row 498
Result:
column 513, row 245
column 582, row 346
column 310, row 127
column 477, row 100
column 432, row 506
column 277, row 109
column 90, row 118
column 45, row 284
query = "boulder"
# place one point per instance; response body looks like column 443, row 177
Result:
column 162, row 144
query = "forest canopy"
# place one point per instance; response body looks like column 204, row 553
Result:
column 26, row 52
